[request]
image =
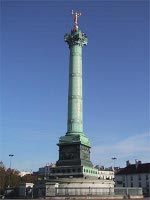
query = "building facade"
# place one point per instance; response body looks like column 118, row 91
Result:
column 47, row 171
column 134, row 175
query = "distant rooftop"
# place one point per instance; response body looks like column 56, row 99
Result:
column 138, row 168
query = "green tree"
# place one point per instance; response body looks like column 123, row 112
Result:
column 29, row 178
column 2, row 179
column 11, row 177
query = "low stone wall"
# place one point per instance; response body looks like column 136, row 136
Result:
column 87, row 189
column 95, row 198
column 94, row 191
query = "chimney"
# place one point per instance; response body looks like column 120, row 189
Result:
column 127, row 163
column 137, row 163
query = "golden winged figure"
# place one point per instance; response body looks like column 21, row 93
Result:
column 76, row 15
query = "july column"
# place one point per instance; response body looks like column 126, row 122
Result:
column 76, row 40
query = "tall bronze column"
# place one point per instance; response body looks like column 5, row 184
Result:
column 74, row 147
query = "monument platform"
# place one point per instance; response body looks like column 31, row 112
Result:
column 73, row 176
column 80, row 188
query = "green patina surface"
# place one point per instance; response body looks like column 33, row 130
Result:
column 77, row 37
column 75, row 138
column 91, row 171
column 74, row 147
column 76, row 40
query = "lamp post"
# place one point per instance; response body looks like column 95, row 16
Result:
column 114, row 158
column 10, row 155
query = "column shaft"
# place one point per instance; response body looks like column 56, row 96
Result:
column 75, row 117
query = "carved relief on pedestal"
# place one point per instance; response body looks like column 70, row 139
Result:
column 85, row 152
column 69, row 152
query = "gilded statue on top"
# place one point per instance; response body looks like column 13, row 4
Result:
column 76, row 15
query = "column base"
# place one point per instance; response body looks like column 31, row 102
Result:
column 74, row 138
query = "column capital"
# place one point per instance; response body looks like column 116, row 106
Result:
column 77, row 37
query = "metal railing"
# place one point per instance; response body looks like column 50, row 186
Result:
column 98, row 191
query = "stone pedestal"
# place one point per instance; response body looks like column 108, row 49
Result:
column 79, row 187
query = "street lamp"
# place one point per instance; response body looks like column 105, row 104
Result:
column 10, row 155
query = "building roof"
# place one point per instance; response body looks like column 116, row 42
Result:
column 135, row 169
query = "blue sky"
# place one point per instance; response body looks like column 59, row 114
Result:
column 34, row 77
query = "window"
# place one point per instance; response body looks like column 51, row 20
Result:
column 139, row 176
column 73, row 170
column 131, row 184
column 79, row 170
column 139, row 184
column 147, row 184
column 147, row 190
column 131, row 178
column 146, row 176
